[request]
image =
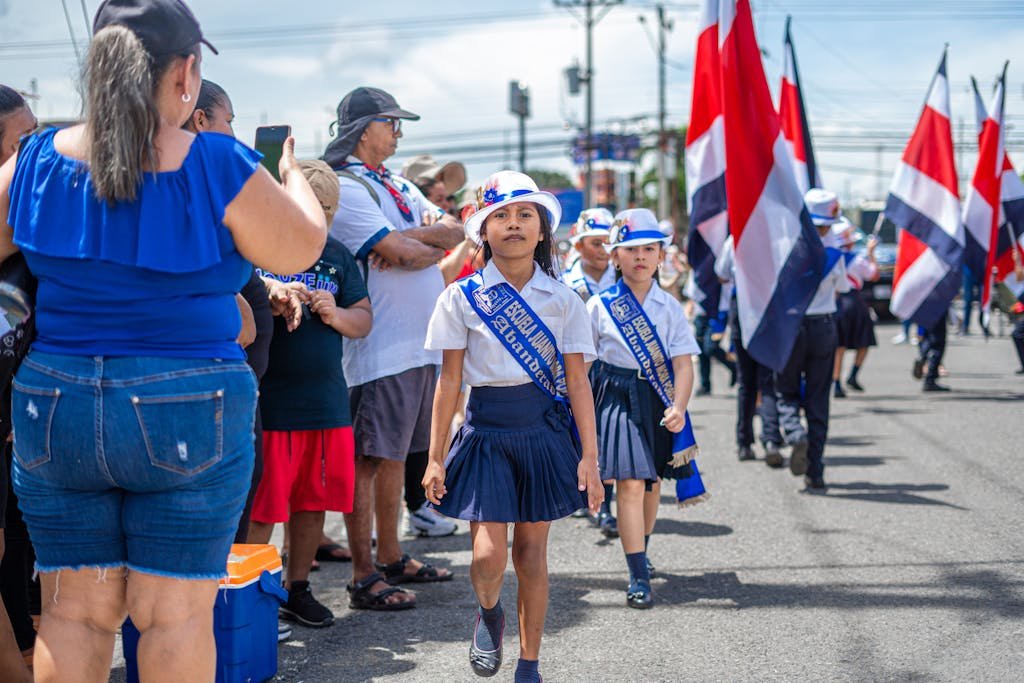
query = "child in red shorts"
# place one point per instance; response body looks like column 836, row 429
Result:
column 308, row 450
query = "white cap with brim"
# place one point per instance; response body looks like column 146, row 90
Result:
column 596, row 222
column 823, row 205
column 636, row 227
column 509, row 187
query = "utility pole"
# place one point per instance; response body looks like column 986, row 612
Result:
column 519, row 105
column 589, row 21
column 664, row 194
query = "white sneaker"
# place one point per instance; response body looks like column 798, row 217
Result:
column 899, row 339
column 427, row 522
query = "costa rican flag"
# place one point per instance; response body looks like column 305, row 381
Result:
column 794, row 120
column 979, row 203
column 983, row 212
column 780, row 258
column 1009, row 232
column 925, row 203
column 705, row 163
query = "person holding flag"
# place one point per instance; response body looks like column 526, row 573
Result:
column 643, row 380
column 854, row 326
column 811, row 360
column 924, row 201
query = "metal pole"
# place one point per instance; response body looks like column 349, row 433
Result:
column 588, row 177
column 522, row 143
column 663, row 191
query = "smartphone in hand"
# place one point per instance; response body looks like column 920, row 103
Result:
column 269, row 141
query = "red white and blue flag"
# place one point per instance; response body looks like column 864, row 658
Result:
column 705, row 163
column 779, row 256
column 986, row 230
column 794, row 120
column 925, row 203
column 1008, row 228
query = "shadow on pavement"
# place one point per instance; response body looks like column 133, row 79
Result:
column 972, row 395
column 695, row 529
column 850, row 441
column 858, row 460
column 901, row 494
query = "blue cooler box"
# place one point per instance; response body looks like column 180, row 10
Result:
column 244, row 618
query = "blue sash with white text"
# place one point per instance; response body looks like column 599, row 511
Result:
column 521, row 331
column 641, row 337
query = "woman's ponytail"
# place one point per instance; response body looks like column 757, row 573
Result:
column 121, row 114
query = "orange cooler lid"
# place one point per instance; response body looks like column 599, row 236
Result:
column 247, row 561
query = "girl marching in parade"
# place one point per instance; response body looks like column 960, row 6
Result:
column 642, row 385
column 589, row 272
column 854, row 327
column 527, row 453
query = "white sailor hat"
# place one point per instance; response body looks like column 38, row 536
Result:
column 636, row 227
column 823, row 205
column 504, row 188
column 596, row 222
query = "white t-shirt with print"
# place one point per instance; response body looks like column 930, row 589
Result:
column 402, row 300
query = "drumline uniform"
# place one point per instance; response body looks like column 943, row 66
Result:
column 631, row 442
column 515, row 458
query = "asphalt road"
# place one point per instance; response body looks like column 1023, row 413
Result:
column 910, row 568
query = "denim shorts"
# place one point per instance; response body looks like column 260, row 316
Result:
column 137, row 462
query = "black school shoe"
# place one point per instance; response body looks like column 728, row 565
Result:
column 303, row 608
column 815, row 484
column 638, row 596
column 798, row 457
column 485, row 663
column 772, row 455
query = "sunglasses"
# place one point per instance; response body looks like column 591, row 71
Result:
column 396, row 124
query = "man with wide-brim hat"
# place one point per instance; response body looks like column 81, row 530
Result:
column 439, row 182
column 399, row 237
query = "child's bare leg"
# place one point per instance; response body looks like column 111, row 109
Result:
column 490, row 557
column 530, row 558
column 631, row 515
column 652, row 499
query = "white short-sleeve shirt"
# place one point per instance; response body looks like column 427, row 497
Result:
column 576, row 276
column 669, row 321
column 401, row 299
column 455, row 325
column 834, row 282
column 860, row 270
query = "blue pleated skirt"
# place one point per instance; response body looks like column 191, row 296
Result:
column 514, row 460
column 631, row 443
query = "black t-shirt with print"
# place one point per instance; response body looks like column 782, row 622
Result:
column 304, row 387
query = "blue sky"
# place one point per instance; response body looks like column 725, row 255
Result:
column 865, row 64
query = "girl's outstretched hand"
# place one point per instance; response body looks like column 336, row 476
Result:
column 433, row 482
column 590, row 481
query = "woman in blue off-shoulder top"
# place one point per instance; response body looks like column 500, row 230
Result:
column 133, row 411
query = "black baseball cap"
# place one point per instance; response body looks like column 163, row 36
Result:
column 165, row 27
column 364, row 101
